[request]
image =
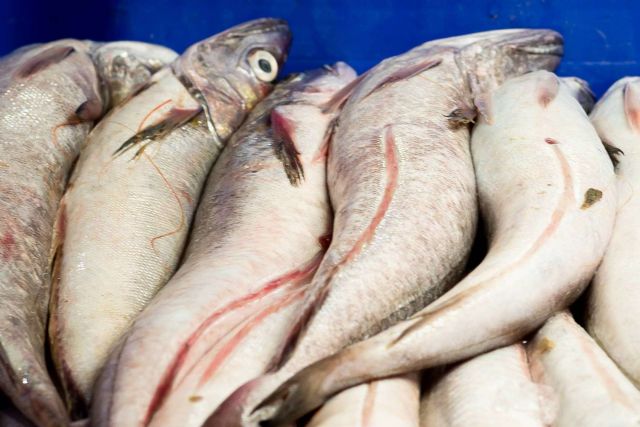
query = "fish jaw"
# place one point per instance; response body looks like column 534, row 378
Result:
column 614, row 294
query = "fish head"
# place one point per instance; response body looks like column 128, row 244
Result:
column 126, row 67
column 232, row 71
column 489, row 59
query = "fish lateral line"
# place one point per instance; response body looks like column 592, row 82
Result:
column 566, row 198
column 168, row 378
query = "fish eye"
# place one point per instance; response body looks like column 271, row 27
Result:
column 264, row 65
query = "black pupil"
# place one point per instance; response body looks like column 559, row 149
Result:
column 264, row 65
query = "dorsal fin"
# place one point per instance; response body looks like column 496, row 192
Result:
column 547, row 89
column 44, row 59
column 632, row 104
column 284, row 146
column 406, row 73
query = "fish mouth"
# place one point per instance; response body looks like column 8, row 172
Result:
column 551, row 49
column 541, row 42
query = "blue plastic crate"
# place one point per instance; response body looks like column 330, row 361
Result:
column 602, row 37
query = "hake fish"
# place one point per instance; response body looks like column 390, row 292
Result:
column 590, row 389
column 50, row 94
column 494, row 389
column 402, row 186
column 125, row 216
column 547, row 193
column 259, row 234
column 614, row 300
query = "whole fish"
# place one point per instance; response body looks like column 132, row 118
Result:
column 389, row 402
column 547, row 194
column 493, row 389
column 125, row 216
column 259, row 234
column 127, row 66
column 614, row 300
column 590, row 388
column 402, row 186
column 50, row 94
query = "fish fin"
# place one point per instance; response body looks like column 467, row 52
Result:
column 44, row 59
column 484, row 106
column 284, row 145
column 406, row 73
column 613, row 152
column 547, row 89
column 463, row 116
column 174, row 118
column 338, row 100
column 632, row 104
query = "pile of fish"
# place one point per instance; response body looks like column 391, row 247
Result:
column 187, row 240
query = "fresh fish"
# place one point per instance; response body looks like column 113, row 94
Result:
column 494, row 389
column 260, row 232
column 402, row 186
column 125, row 67
column 547, row 193
column 49, row 97
column 389, row 402
column 125, row 216
column 590, row 389
column 614, row 302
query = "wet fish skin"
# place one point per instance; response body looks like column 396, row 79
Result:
column 253, row 270
column 127, row 211
column 388, row 402
column 546, row 233
column 589, row 387
column 492, row 389
column 41, row 89
column 614, row 295
column 125, row 67
column 395, row 125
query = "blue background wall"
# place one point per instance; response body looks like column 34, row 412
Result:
column 602, row 37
